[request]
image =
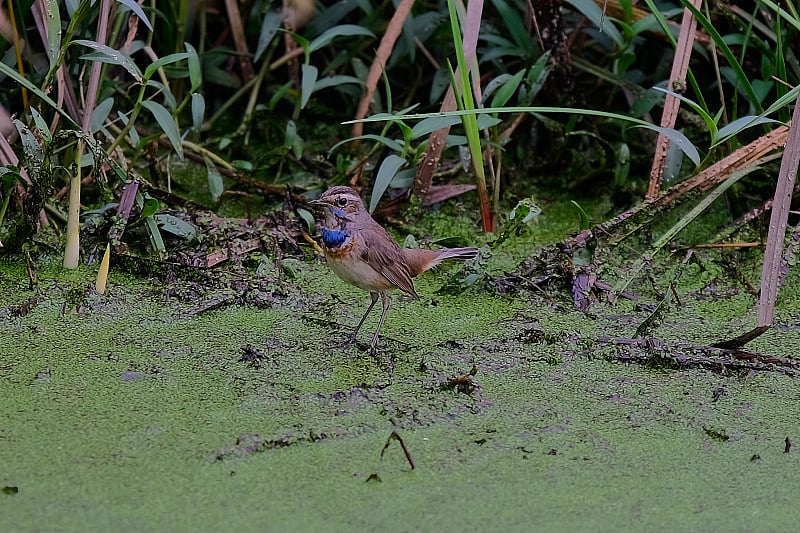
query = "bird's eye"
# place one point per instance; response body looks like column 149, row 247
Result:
column 341, row 202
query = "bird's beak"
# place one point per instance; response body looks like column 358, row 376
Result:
column 320, row 203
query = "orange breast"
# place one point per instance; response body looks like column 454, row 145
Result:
column 340, row 251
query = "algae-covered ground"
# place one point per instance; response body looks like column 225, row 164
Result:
column 228, row 401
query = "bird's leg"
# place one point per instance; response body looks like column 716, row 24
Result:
column 386, row 301
column 374, row 296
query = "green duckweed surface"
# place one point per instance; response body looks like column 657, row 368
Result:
column 153, row 408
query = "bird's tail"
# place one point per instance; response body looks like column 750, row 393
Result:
column 420, row 260
column 461, row 254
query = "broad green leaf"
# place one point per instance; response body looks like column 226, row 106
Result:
column 345, row 30
column 514, row 24
column 646, row 101
column 439, row 84
column 169, row 98
column 308, row 218
column 386, row 173
column 334, row 12
column 308, row 80
column 136, row 8
column 193, row 61
column 106, row 54
column 762, row 88
column 708, row 119
column 333, row 81
column 198, row 111
column 163, row 61
column 492, row 86
column 428, row 125
column 132, row 133
column 72, row 6
column 455, row 140
column 507, row 89
column 149, row 205
column 292, row 140
column 741, row 124
column 622, row 165
column 650, row 22
column 52, row 18
column 167, row 123
column 536, row 78
column 269, row 27
column 174, row 225
column 41, row 125
column 215, row 75
column 100, row 114
column 155, row 235
column 404, row 179
column 215, row 185
column 681, row 141
column 494, row 53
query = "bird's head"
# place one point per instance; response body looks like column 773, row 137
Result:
column 340, row 204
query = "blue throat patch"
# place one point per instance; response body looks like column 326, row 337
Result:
column 333, row 238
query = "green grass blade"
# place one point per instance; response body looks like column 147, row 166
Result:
column 687, row 219
column 733, row 63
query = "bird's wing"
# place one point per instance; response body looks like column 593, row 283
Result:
column 385, row 257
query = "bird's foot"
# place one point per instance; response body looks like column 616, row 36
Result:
column 348, row 340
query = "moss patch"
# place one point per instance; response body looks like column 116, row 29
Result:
column 136, row 410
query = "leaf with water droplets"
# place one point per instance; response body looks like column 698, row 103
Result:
column 136, row 8
column 30, row 144
column 106, row 54
column 41, row 124
column 53, row 25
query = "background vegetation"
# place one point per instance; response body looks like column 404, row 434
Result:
column 125, row 118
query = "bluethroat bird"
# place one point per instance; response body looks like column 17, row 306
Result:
column 363, row 254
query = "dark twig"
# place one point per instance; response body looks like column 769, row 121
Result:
column 689, row 355
column 398, row 438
